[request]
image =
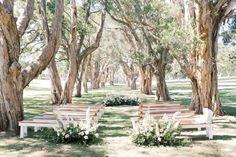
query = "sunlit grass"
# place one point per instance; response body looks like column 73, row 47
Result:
column 115, row 125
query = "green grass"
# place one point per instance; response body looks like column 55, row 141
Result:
column 115, row 125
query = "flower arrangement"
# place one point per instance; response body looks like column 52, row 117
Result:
column 155, row 133
column 71, row 131
column 121, row 100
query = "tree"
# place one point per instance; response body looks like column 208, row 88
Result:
column 13, row 79
column 123, row 13
column 200, row 65
column 76, row 51
column 66, row 95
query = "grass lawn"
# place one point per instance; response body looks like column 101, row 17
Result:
column 115, row 125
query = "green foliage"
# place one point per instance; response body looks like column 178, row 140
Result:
column 84, row 26
column 156, row 133
column 121, row 100
column 142, row 58
column 70, row 131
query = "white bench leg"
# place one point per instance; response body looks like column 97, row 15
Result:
column 210, row 131
column 21, row 131
column 199, row 129
column 25, row 130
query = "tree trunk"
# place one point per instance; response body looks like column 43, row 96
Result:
column 102, row 84
column 79, row 81
column 11, row 105
column 85, row 75
column 111, row 77
column 207, row 75
column 133, row 85
column 128, row 81
column 12, row 78
column 78, row 87
column 67, row 93
column 162, row 92
column 146, row 80
column 95, row 83
column 56, row 87
column 195, row 99
column 11, row 91
column 95, row 79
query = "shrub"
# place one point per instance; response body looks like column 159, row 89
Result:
column 76, row 133
column 156, row 133
column 70, row 131
column 121, row 100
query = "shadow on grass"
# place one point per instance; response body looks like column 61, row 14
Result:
column 215, row 137
column 28, row 147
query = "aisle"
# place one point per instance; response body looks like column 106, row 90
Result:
column 115, row 127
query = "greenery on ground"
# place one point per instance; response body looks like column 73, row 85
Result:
column 78, row 133
column 121, row 100
column 155, row 133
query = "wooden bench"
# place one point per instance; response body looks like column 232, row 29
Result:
column 50, row 119
column 188, row 119
column 25, row 124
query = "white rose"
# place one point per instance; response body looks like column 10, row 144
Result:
column 86, row 132
column 82, row 133
column 67, row 136
column 86, row 137
column 96, row 135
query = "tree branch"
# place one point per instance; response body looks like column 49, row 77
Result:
column 218, row 6
column 44, row 21
column 9, row 29
column 35, row 68
column 96, row 44
column 25, row 17
column 186, row 69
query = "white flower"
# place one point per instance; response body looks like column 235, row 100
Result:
column 86, row 137
column 58, row 134
column 81, row 133
column 67, row 136
column 165, row 118
column 63, row 133
column 175, row 115
column 176, row 125
column 86, row 132
column 96, row 135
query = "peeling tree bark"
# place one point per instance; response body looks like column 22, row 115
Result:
column 67, row 93
column 12, row 79
column 145, row 79
column 80, row 79
column 203, row 75
column 56, row 86
column 85, row 76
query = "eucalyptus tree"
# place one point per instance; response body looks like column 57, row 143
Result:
column 199, row 59
column 13, row 79
column 152, row 17
column 76, row 46
column 124, row 13
column 144, row 20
